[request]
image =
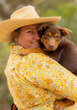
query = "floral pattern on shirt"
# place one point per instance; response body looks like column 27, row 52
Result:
column 35, row 81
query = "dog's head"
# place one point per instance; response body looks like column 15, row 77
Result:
column 52, row 36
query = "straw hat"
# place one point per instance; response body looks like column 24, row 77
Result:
column 22, row 17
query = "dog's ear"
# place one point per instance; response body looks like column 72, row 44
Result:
column 42, row 28
column 65, row 31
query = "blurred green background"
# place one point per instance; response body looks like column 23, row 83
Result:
column 65, row 8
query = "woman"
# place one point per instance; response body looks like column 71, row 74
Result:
column 35, row 81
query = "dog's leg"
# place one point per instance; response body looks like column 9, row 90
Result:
column 62, row 103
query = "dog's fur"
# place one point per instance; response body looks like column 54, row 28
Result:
column 64, row 51
column 55, row 44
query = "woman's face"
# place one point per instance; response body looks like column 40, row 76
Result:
column 28, row 37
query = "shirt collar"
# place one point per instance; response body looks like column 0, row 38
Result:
column 17, row 49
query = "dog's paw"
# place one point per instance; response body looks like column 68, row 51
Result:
column 58, row 105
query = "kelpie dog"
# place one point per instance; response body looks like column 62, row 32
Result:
column 55, row 45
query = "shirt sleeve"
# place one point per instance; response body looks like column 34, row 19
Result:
column 44, row 72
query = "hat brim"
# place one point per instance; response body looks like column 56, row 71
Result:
column 9, row 25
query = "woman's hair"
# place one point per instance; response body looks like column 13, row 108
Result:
column 14, row 36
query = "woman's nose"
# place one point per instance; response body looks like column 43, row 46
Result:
column 37, row 37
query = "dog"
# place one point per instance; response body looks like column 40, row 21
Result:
column 54, row 43
column 64, row 51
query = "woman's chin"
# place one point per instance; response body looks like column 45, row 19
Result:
column 31, row 46
column 35, row 46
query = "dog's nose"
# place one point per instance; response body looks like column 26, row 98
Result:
column 51, row 46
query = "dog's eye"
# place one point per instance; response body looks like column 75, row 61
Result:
column 49, row 34
column 56, row 35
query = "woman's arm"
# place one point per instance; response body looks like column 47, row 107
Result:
column 46, row 73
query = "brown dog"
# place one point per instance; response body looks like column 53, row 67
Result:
column 55, row 45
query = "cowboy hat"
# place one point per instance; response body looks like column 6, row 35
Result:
column 22, row 17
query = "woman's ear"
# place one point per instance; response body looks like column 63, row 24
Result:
column 14, row 36
column 65, row 31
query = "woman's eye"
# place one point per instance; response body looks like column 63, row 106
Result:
column 29, row 31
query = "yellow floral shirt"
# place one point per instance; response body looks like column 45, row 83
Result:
column 35, row 81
